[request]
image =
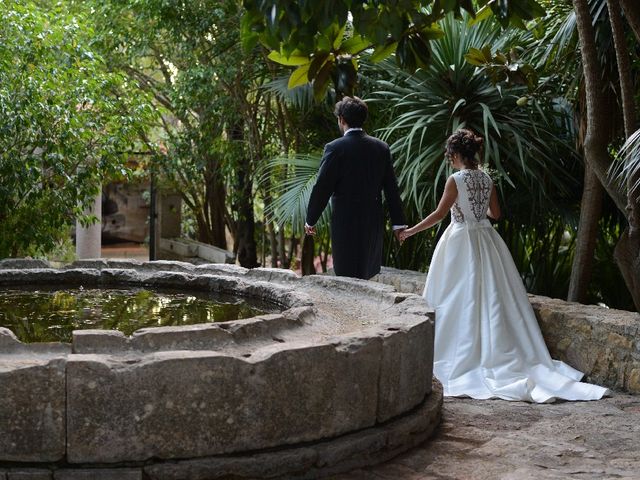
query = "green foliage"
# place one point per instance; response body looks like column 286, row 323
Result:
column 543, row 251
column 525, row 144
column 187, row 56
column 627, row 164
column 66, row 124
column 607, row 285
column 331, row 34
column 296, row 177
column 527, row 149
column 504, row 67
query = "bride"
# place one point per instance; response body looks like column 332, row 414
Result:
column 488, row 343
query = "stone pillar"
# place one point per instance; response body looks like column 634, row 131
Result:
column 89, row 239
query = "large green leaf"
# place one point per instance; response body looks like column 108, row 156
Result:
column 299, row 76
column 292, row 60
column 355, row 44
column 383, row 51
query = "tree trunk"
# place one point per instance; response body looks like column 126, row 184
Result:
column 281, row 248
column 245, row 242
column 246, row 226
column 627, row 251
column 596, row 158
column 624, row 67
column 632, row 13
column 214, row 232
column 590, row 212
column 293, row 249
column 274, row 245
column 308, row 252
column 596, row 139
column 596, row 153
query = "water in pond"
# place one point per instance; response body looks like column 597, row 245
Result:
column 44, row 315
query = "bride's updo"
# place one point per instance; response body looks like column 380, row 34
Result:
column 467, row 144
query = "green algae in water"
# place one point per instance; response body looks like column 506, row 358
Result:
column 46, row 315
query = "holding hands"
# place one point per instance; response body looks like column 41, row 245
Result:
column 309, row 230
column 402, row 235
column 406, row 233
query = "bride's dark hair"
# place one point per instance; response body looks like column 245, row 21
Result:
column 467, row 144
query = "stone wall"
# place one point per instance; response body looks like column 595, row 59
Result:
column 601, row 342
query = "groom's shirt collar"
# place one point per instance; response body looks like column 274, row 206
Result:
column 355, row 129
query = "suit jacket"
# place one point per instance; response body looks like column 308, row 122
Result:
column 354, row 172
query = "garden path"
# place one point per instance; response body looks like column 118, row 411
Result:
column 495, row 439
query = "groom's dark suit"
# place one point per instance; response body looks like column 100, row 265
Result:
column 355, row 169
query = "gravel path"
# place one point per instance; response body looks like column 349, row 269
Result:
column 495, row 439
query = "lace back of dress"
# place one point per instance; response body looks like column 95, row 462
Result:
column 474, row 192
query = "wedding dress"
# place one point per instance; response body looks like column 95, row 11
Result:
column 488, row 343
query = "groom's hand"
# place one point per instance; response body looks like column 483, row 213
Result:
column 397, row 233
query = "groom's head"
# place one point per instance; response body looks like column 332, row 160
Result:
column 352, row 111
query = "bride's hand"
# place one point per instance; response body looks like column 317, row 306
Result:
column 404, row 234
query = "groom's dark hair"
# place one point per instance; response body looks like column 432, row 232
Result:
column 353, row 110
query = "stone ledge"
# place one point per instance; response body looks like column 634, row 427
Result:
column 32, row 409
column 603, row 343
column 98, row 474
column 29, row 474
column 366, row 447
column 334, row 392
column 20, row 263
column 203, row 336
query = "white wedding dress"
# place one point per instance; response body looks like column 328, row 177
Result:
column 488, row 343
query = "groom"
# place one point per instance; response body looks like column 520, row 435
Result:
column 355, row 169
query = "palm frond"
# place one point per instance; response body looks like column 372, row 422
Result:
column 299, row 97
column 627, row 164
column 289, row 181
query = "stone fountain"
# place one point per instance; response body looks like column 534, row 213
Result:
column 339, row 379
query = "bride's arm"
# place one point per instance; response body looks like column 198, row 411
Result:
column 446, row 201
column 494, row 205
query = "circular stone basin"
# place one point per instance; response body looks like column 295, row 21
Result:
column 340, row 378
column 42, row 314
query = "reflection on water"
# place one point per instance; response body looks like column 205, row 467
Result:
column 51, row 315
